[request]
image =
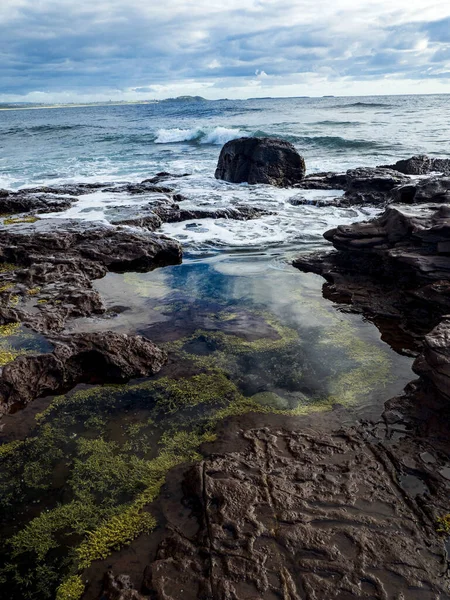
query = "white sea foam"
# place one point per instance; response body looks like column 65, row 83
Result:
column 201, row 135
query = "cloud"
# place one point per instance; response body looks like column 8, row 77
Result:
column 130, row 49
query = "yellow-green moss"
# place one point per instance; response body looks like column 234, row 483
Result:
column 118, row 531
column 9, row 329
column 6, row 287
column 71, row 589
column 42, row 301
column 444, row 524
column 33, row 291
column 17, row 220
column 8, row 267
column 14, row 300
column 9, row 448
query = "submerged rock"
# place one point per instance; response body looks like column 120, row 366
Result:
column 78, row 358
column 260, row 160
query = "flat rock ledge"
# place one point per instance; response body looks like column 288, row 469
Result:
column 293, row 514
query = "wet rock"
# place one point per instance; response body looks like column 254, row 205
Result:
column 171, row 213
column 300, row 513
column 19, row 202
column 119, row 588
column 260, row 160
column 66, row 189
column 418, row 243
column 434, row 362
column 323, row 181
column 138, row 188
column 395, row 269
column 369, row 179
column 163, row 176
column 78, row 358
column 433, row 190
column 421, row 165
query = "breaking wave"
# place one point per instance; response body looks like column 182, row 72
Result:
column 200, row 135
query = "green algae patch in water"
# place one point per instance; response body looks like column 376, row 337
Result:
column 71, row 589
column 16, row 340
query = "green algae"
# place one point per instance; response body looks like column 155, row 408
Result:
column 18, row 220
column 8, row 267
column 443, row 524
column 33, row 291
column 71, row 589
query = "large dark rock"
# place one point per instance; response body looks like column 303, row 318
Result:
column 421, row 165
column 260, row 160
column 78, row 358
column 434, row 363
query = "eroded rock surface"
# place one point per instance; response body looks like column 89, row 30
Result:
column 297, row 514
column 434, row 362
column 260, row 160
column 434, row 189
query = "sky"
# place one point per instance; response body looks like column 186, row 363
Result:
column 99, row 50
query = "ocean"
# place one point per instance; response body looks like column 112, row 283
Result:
column 133, row 142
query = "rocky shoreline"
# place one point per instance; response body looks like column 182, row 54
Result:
column 281, row 507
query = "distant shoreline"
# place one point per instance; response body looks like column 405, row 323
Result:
column 88, row 105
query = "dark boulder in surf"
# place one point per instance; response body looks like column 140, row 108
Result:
column 260, row 160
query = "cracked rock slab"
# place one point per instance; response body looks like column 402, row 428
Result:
column 298, row 515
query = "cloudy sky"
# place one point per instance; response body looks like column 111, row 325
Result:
column 78, row 50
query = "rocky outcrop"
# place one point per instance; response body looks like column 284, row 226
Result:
column 78, row 358
column 434, row 363
column 24, row 202
column 296, row 513
column 323, row 181
column 260, row 160
column 395, row 269
column 154, row 217
column 421, row 165
column 434, row 189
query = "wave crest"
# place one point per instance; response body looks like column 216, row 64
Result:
column 200, row 135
